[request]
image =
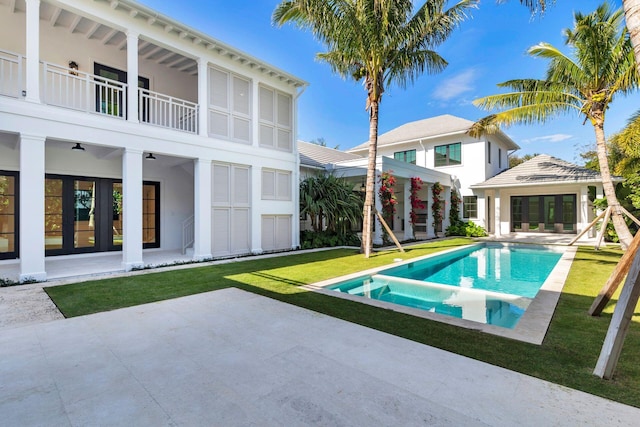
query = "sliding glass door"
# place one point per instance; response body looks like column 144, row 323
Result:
column 8, row 215
column 548, row 213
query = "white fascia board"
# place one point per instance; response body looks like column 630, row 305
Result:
column 408, row 141
column 538, row 184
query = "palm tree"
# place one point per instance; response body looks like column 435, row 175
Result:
column 380, row 42
column 603, row 67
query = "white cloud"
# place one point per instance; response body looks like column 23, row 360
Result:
column 455, row 86
column 556, row 137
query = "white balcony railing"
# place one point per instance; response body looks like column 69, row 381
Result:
column 166, row 111
column 11, row 74
column 68, row 88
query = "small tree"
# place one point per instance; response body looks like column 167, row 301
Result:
column 388, row 199
column 454, row 209
column 414, row 199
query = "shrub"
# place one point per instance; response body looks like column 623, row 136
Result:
column 468, row 229
column 324, row 239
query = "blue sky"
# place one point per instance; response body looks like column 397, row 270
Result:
column 487, row 49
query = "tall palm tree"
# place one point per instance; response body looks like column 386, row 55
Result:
column 602, row 67
column 379, row 42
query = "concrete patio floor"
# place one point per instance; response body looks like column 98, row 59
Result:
column 234, row 358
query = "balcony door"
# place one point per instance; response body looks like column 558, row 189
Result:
column 110, row 97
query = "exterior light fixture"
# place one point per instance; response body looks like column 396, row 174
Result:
column 73, row 67
column 78, row 147
column 150, row 156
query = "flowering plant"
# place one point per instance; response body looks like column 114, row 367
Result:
column 416, row 202
column 437, row 204
column 387, row 199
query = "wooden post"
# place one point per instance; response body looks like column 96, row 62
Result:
column 386, row 227
column 612, row 346
column 627, row 213
column 589, row 227
column 603, row 228
column 616, row 277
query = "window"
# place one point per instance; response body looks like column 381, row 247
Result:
column 500, row 158
column 448, row 155
column 276, row 119
column 229, row 105
column 408, row 156
column 151, row 215
column 489, row 152
column 276, row 185
column 8, row 215
column 470, row 207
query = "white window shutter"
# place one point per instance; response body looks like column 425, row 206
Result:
column 219, row 88
column 268, row 184
column 284, row 110
column 220, row 236
column 284, row 186
column 220, row 185
column 240, row 231
column 266, row 104
column 241, row 96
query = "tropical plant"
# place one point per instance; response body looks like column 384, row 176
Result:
column 330, row 203
column 416, row 203
column 436, row 205
column 468, row 229
column 379, row 42
column 454, row 208
column 388, row 199
column 602, row 67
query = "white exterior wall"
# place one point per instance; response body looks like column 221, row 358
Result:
column 107, row 138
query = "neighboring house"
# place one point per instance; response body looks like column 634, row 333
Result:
column 124, row 130
column 544, row 194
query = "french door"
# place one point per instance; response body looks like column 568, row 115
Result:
column 86, row 215
column 548, row 213
column 110, row 96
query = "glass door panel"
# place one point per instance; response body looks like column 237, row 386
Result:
column 568, row 213
column 7, row 216
column 53, row 211
column 117, row 230
column 534, row 213
column 549, row 212
column 150, row 214
column 516, row 213
column 84, row 214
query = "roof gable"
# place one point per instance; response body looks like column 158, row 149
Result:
column 542, row 169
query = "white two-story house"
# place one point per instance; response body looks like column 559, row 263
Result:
column 124, row 130
column 545, row 194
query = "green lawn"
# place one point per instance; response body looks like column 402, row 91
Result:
column 567, row 356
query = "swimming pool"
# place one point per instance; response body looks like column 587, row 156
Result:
column 487, row 283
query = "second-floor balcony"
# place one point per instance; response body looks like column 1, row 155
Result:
column 66, row 87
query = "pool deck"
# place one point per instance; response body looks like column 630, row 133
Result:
column 234, row 358
column 531, row 328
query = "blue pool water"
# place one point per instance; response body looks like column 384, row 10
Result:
column 488, row 283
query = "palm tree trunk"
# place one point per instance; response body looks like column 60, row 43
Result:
column 632, row 17
column 609, row 190
column 369, row 198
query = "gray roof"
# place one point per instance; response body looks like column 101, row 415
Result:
column 542, row 169
column 431, row 127
column 317, row 156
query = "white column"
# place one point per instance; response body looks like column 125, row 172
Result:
column 132, row 209
column 203, row 97
column 295, row 191
column 202, row 209
column 33, row 51
column 256, row 217
column 446, row 220
column 408, row 228
column 430, row 227
column 481, row 207
column 496, row 214
column 32, row 243
column 132, row 76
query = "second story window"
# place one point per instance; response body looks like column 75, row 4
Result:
column 276, row 119
column 448, row 155
column 229, row 105
column 408, row 156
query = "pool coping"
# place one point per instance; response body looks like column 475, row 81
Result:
column 533, row 324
